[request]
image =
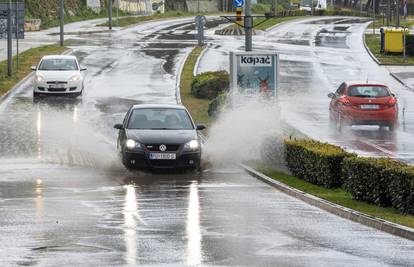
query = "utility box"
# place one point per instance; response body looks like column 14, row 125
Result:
column 394, row 39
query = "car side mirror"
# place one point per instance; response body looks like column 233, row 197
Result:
column 201, row 127
column 332, row 95
column 33, row 68
column 393, row 95
column 118, row 126
column 83, row 69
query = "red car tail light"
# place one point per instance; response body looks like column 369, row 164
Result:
column 392, row 102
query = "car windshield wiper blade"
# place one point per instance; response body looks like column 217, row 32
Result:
column 361, row 96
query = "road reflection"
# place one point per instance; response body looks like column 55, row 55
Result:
column 130, row 225
column 193, row 227
column 39, row 203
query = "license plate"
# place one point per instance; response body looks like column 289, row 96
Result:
column 57, row 86
column 369, row 106
column 166, row 156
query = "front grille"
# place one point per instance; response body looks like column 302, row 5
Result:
column 57, row 82
column 41, row 88
column 163, row 163
column 57, row 89
column 156, row 148
column 72, row 88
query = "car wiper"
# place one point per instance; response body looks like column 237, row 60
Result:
column 361, row 96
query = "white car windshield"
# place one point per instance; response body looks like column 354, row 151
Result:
column 58, row 64
column 160, row 119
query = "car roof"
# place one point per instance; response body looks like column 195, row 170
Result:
column 59, row 57
column 350, row 83
column 175, row 106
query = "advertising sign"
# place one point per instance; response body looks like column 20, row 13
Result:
column 17, row 13
column 254, row 74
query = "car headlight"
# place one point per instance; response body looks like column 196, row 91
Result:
column 75, row 78
column 193, row 145
column 132, row 144
column 39, row 78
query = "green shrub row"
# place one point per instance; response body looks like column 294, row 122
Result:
column 409, row 45
column 315, row 162
column 382, row 181
column 208, row 85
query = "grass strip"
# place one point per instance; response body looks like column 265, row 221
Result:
column 341, row 197
column 382, row 22
column 197, row 107
column 123, row 22
column 27, row 59
column 374, row 45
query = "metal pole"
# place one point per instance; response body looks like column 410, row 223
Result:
column 110, row 14
column 9, row 41
column 404, row 44
column 248, row 24
column 361, row 5
column 62, row 22
column 17, row 35
column 311, row 7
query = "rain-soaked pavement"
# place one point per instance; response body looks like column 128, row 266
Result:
column 66, row 201
column 317, row 55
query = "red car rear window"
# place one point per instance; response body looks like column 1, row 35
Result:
column 368, row 91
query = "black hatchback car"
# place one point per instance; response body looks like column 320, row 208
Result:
column 159, row 136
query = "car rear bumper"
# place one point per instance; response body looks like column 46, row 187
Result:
column 140, row 160
column 370, row 117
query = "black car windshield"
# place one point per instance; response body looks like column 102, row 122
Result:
column 160, row 119
column 61, row 64
column 368, row 91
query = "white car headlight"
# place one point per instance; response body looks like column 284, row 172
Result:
column 131, row 144
column 39, row 78
column 193, row 144
column 75, row 78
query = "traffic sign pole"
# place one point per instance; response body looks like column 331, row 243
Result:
column 9, row 41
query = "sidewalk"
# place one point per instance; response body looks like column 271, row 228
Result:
column 51, row 36
column 404, row 74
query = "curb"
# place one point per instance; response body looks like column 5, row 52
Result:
column 28, row 76
column 198, row 60
column 379, row 224
column 178, row 79
column 401, row 81
column 369, row 51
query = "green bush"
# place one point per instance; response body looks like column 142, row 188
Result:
column 316, row 162
column 381, row 181
column 409, row 44
column 208, row 85
column 218, row 104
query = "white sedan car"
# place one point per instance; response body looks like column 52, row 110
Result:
column 58, row 75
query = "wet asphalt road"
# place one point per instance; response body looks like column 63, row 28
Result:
column 317, row 55
column 65, row 200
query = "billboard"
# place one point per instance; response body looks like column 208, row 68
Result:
column 254, row 74
column 17, row 13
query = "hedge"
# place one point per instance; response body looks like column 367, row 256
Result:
column 218, row 104
column 409, row 44
column 382, row 181
column 209, row 85
column 316, row 162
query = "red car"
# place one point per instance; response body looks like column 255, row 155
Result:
column 359, row 103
